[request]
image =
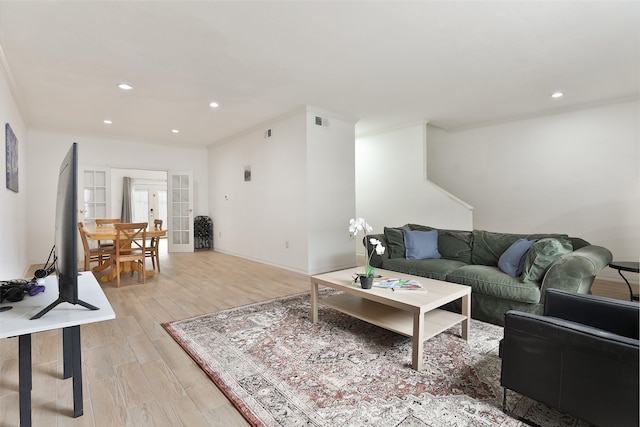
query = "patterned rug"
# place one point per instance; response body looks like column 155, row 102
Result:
column 279, row 369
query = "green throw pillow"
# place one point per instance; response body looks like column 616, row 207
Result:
column 542, row 254
column 395, row 240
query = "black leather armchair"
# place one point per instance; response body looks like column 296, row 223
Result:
column 580, row 357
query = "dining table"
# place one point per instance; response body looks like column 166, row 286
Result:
column 108, row 232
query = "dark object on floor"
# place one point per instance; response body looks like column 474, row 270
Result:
column 203, row 233
column 581, row 357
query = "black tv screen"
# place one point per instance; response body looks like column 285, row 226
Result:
column 66, row 233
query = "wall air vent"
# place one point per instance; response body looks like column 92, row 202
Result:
column 321, row 121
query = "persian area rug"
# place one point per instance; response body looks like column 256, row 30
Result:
column 279, row 369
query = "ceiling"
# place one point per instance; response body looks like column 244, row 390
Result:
column 457, row 64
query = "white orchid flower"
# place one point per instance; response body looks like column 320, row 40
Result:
column 359, row 224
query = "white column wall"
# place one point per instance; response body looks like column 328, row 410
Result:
column 295, row 211
column 255, row 219
column 331, row 192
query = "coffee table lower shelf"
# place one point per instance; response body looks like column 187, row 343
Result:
column 391, row 318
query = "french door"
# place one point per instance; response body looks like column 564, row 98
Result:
column 93, row 194
column 180, row 211
column 149, row 203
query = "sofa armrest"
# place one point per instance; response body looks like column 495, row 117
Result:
column 576, row 271
column 608, row 314
column 577, row 369
column 376, row 260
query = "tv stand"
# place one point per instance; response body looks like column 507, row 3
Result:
column 15, row 322
column 60, row 301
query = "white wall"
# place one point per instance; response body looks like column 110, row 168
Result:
column 292, row 173
column 46, row 150
column 330, row 192
column 391, row 189
column 576, row 173
column 14, row 259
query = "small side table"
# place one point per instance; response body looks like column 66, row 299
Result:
column 631, row 266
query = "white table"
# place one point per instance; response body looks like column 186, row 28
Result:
column 65, row 316
column 413, row 313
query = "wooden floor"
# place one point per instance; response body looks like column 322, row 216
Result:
column 134, row 373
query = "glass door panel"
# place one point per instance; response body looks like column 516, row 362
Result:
column 180, row 211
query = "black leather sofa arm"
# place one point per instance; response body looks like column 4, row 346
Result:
column 611, row 315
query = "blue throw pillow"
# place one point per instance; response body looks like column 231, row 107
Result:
column 421, row 244
column 512, row 260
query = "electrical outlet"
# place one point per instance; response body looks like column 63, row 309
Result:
column 286, row 244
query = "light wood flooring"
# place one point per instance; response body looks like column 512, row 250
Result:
column 134, row 372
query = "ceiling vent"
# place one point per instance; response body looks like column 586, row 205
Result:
column 321, row 121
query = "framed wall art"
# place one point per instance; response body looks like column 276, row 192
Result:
column 12, row 158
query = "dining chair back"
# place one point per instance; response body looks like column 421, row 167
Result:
column 100, row 222
column 152, row 249
column 106, row 221
column 130, row 246
column 99, row 254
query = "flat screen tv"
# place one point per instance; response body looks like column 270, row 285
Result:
column 66, row 234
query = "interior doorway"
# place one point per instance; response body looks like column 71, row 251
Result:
column 149, row 202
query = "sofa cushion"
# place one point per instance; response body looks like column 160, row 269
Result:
column 512, row 260
column 455, row 245
column 429, row 268
column 541, row 255
column 421, row 244
column 491, row 281
column 395, row 240
column 488, row 246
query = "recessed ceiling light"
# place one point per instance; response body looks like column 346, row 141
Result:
column 214, row 105
column 557, row 95
column 125, row 86
column 107, row 122
column 175, row 131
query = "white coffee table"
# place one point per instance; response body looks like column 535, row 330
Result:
column 413, row 313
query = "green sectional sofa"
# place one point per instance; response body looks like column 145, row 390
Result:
column 480, row 258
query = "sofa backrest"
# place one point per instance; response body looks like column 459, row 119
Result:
column 452, row 244
column 471, row 247
column 487, row 246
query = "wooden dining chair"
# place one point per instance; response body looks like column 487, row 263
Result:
column 106, row 221
column 152, row 249
column 99, row 254
column 130, row 246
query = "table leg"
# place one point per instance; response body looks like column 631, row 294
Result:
column 634, row 297
column 418, row 344
column 466, row 311
column 72, row 352
column 314, row 302
column 25, row 379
